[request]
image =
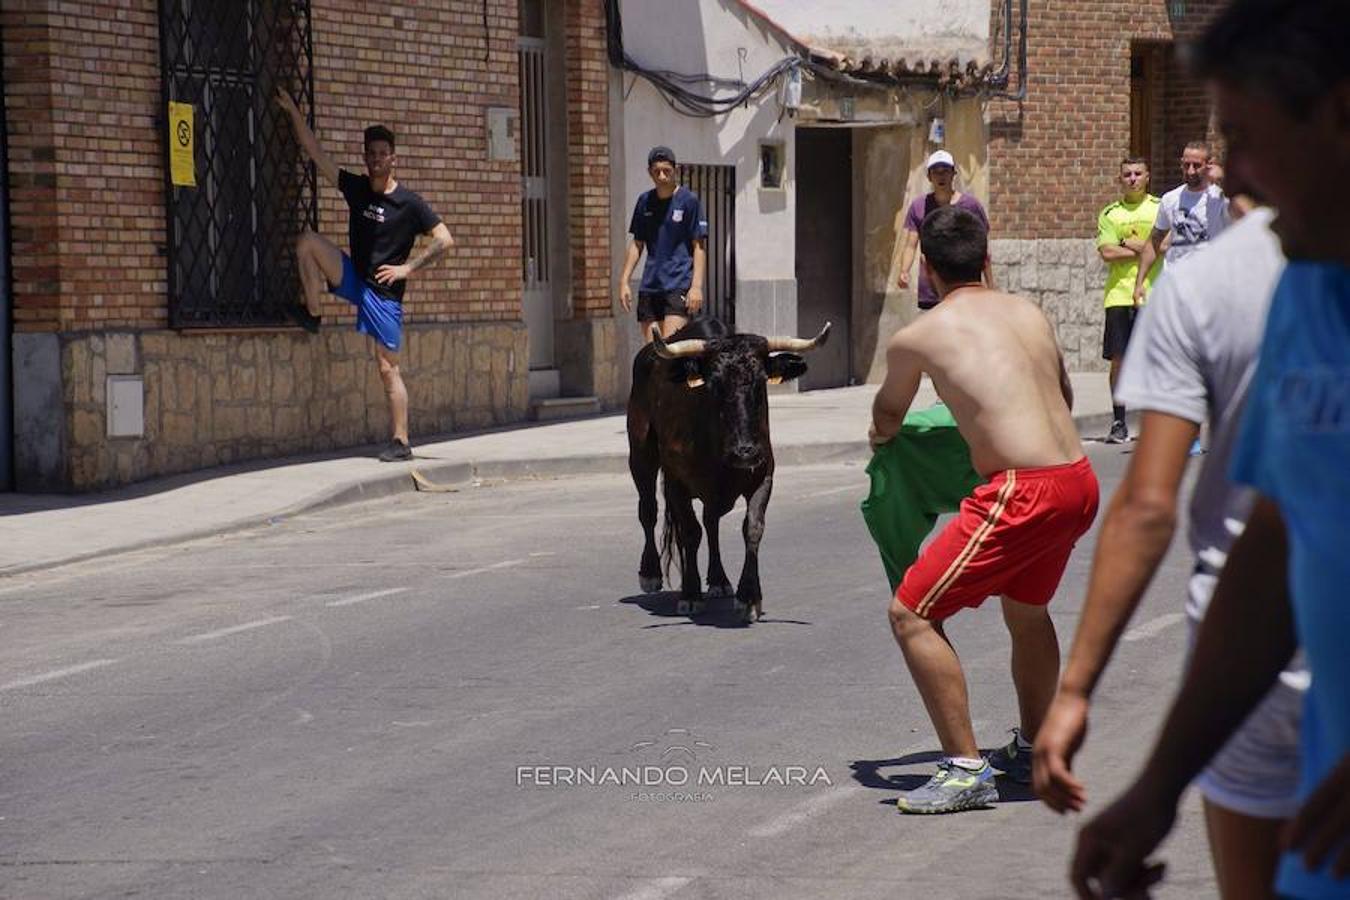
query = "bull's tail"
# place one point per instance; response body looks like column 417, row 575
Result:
column 670, row 541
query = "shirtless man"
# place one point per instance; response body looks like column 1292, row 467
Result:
column 993, row 359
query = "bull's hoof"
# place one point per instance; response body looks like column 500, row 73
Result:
column 719, row 591
column 748, row 615
column 650, row 584
column 686, row 607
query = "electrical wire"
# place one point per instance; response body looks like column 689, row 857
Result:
column 675, row 87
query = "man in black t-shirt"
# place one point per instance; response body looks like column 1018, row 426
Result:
column 386, row 219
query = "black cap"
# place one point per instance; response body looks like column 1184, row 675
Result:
column 660, row 154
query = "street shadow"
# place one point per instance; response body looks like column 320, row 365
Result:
column 870, row 773
column 719, row 612
column 45, row 501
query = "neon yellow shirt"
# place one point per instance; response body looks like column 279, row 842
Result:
column 1117, row 221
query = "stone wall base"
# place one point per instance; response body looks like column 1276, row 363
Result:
column 591, row 359
column 211, row 399
column 1066, row 278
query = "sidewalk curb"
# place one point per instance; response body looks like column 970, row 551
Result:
column 445, row 472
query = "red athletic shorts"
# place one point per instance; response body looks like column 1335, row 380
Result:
column 1011, row 536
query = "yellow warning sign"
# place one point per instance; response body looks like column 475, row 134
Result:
column 182, row 168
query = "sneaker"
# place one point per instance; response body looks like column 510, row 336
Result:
column 1119, row 434
column 396, row 451
column 1013, row 760
column 305, row 319
column 952, row 789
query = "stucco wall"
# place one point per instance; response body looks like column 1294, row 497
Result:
column 718, row 37
column 887, row 28
column 888, row 173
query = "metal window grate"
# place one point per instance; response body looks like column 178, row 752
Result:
column 535, row 254
column 716, row 188
column 231, row 238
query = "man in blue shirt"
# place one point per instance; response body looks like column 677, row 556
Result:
column 668, row 222
column 1280, row 72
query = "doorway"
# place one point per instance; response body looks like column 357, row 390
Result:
column 825, row 250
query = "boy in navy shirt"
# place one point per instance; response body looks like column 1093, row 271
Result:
column 668, row 222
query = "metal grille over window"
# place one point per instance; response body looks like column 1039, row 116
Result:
column 716, row 188
column 232, row 237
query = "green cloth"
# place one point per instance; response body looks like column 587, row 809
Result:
column 922, row 472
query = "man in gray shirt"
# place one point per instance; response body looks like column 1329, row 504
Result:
column 1190, row 360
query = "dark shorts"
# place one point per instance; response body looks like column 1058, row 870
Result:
column 652, row 306
column 1116, row 335
column 376, row 315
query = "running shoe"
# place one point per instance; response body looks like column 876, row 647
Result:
column 1013, row 760
column 396, row 451
column 952, row 789
column 1119, row 434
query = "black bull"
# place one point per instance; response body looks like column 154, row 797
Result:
column 699, row 415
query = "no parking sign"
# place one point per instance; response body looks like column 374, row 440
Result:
column 182, row 170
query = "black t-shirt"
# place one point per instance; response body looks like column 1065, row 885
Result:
column 383, row 228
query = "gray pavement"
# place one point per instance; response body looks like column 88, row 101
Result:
column 41, row 531
column 342, row 704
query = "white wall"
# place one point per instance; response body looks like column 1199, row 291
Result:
column 886, row 27
column 717, row 37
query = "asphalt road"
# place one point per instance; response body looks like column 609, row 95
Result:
column 389, row 701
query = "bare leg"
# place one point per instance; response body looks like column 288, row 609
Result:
column 320, row 263
column 1035, row 661
column 1114, row 374
column 395, row 390
column 1246, row 852
column 937, row 674
column 672, row 324
column 645, row 326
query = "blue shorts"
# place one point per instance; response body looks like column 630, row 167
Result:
column 376, row 315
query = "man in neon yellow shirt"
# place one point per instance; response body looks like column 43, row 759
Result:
column 1123, row 229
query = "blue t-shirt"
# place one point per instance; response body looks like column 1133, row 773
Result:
column 1295, row 448
column 668, row 228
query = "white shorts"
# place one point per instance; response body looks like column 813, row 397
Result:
column 1257, row 772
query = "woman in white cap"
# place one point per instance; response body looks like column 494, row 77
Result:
column 941, row 175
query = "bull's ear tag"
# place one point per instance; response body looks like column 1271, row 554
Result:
column 695, row 381
column 775, row 379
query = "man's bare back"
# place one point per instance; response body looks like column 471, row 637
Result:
column 994, row 361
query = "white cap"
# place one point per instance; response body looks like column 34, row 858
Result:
column 940, row 158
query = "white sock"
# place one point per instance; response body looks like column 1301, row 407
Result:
column 967, row 763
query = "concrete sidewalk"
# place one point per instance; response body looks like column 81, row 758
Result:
column 39, row 531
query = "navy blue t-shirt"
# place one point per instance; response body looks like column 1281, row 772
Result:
column 668, row 229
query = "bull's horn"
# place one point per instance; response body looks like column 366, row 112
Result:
column 796, row 344
column 691, row 347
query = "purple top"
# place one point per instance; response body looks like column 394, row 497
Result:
column 920, row 208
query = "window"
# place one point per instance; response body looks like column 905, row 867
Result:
column 771, row 165
column 231, row 238
column 716, row 189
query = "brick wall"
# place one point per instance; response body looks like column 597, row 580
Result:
column 1053, row 157
column 429, row 71
column 588, row 158
column 83, row 99
column 87, row 202
column 86, row 183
